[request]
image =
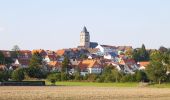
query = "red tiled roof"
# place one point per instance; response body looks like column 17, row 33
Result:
column 144, row 63
column 60, row 52
column 89, row 63
column 54, row 64
column 127, row 61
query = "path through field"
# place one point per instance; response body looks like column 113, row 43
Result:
column 83, row 93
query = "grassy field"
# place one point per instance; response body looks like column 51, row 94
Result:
column 95, row 84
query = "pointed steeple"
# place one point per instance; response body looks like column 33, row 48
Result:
column 85, row 29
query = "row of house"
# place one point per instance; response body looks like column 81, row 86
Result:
column 97, row 58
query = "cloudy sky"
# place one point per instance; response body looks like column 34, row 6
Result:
column 55, row 24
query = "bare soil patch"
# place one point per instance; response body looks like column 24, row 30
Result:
column 82, row 93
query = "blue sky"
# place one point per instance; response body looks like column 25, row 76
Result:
column 56, row 24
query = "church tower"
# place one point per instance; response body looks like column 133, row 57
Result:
column 84, row 38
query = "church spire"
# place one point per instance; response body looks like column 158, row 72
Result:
column 85, row 29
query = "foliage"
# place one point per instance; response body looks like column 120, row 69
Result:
column 35, row 69
column 156, row 70
column 162, row 49
column 18, row 74
column 52, row 78
column 141, row 54
column 129, row 53
column 4, row 76
column 2, row 58
column 141, row 76
column 110, row 74
column 64, row 76
column 77, row 74
column 128, row 78
column 92, row 77
column 15, row 51
column 65, row 64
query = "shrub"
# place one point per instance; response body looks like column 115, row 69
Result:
column 92, row 77
column 128, row 78
column 52, row 78
column 18, row 74
column 64, row 76
column 4, row 76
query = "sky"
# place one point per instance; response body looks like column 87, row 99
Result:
column 56, row 24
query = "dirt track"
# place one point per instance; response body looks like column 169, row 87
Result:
column 83, row 93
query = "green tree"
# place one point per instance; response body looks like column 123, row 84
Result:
column 77, row 74
column 64, row 76
column 2, row 58
column 18, row 74
column 144, row 56
column 35, row 69
column 15, row 51
column 65, row 65
column 117, row 75
column 129, row 53
column 141, row 54
column 162, row 49
column 128, row 78
column 52, row 78
column 141, row 76
column 156, row 70
column 4, row 76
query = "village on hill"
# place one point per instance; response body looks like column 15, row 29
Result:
column 89, row 58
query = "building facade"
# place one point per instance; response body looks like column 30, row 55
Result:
column 84, row 38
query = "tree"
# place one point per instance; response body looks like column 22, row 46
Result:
column 162, row 49
column 141, row 76
column 141, row 54
column 156, row 70
column 4, row 75
column 129, row 53
column 77, row 73
column 64, row 76
column 18, row 74
column 52, row 78
column 16, row 48
column 65, row 65
column 15, row 51
column 144, row 56
column 35, row 69
column 2, row 58
column 117, row 75
column 136, row 55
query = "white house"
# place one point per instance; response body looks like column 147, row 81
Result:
column 106, row 48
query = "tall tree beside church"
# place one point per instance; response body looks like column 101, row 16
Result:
column 15, row 51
